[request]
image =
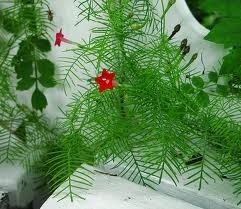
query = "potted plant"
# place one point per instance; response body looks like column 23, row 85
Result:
column 142, row 106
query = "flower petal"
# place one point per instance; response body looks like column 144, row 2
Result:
column 105, row 81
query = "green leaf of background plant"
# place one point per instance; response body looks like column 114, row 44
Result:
column 232, row 63
column 42, row 44
column 47, row 81
column 222, row 89
column 27, row 1
column 20, row 132
column 198, row 82
column 11, row 25
column 39, row 101
column 227, row 32
column 187, row 88
column 25, row 51
column 203, row 99
column 213, row 76
column 25, row 83
column 46, row 67
column 24, row 69
column 222, row 8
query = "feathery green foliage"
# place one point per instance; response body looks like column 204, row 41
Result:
column 161, row 120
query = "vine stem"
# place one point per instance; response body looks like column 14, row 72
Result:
column 35, row 71
column 120, row 37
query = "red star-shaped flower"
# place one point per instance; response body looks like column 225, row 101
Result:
column 106, row 81
column 60, row 38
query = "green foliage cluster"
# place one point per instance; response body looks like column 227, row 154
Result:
column 226, row 31
column 161, row 120
column 24, row 134
column 206, row 18
column 26, row 24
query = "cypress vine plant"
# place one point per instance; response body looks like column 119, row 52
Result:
column 150, row 116
column 24, row 133
column 140, row 106
column 138, row 125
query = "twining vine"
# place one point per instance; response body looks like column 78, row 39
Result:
column 142, row 109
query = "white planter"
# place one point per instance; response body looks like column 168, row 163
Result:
column 111, row 192
column 215, row 195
